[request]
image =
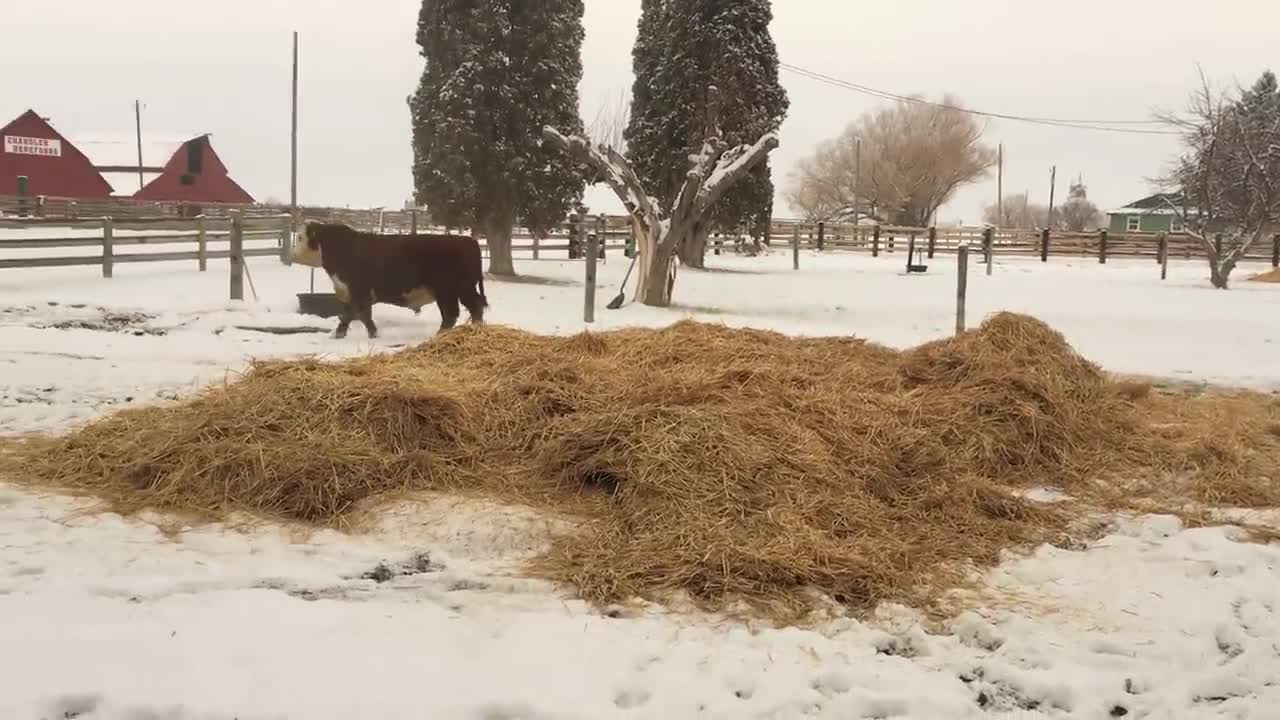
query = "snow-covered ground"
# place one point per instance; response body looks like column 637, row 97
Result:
column 103, row 617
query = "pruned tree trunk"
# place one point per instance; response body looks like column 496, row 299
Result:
column 662, row 235
column 657, row 264
column 1221, row 264
column 499, row 243
column 693, row 251
column 1218, row 275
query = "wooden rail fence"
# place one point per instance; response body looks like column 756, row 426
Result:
column 244, row 236
column 1100, row 245
column 111, row 234
column 616, row 232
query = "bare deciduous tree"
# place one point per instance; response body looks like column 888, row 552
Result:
column 609, row 126
column 1017, row 212
column 1078, row 213
column 913, row 158
column 608, row 129
column 1227, row 179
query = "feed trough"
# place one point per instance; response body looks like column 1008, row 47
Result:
column 915, row 258
column 324, row 305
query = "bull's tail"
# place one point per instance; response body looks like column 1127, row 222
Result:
column 480, row 275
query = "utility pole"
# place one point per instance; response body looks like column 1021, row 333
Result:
column 293, row 134
column 1000, row 186
column 137, row 120
column 857, row 179
column 1053, row 183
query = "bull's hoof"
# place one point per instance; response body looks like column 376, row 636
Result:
column 338, row 334
column 373, row 334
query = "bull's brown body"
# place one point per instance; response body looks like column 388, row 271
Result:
column 405, row 270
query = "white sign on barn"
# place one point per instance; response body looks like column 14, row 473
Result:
column 18, row 145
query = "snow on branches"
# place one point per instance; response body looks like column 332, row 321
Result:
column 713, row 170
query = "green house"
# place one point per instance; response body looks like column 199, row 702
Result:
column 1153, row 214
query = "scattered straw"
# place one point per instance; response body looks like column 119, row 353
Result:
column 1271, row 276
column 724, row 463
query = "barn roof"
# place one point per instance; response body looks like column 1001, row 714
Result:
column 116, row 156
column 107, row 150
column 126, row 183
column 73, row 173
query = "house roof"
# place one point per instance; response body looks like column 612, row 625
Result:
column 1158, row 204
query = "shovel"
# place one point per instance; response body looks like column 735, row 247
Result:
column 616, row 303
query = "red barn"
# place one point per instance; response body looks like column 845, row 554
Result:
column 195, row 173
column 54, row 166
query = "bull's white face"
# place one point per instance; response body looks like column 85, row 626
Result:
column 306, row 249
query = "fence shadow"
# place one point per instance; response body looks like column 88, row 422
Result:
column 710, row 270
column 540, row 280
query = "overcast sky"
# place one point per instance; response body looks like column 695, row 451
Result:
column 223, row 68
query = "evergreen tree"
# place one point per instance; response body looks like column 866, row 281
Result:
column 684, row 46
column 496, row 72
column 1262, row 101
column 651, row 147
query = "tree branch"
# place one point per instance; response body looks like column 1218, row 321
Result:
column 727, row 173
column 615, row 170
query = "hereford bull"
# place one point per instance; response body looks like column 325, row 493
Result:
column 405, row 270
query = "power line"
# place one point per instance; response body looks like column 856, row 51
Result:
column 1095, row 125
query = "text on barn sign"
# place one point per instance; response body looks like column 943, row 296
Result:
column 18, row 145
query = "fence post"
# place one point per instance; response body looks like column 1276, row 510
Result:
column 72, row 210
column 1044, row 245
column 576, row 222
column 589, row 301
column 413, row 221
column 795, row 247
column 717, row 243
column 875, row 241
column 1102, row 247
column 237, row 255
column 962, row 285
column 988, row 248
column 630, row 250
column 202, row 244
column 822, row 235
column 933, row 240
column 1275, row 250
column 286, row 241
column 602, row 234
column 108, row 249
column 1164, row 257
column 40, row 200
column 911, row 251
column 24, row 190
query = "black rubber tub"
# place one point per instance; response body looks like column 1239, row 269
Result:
column 323, row 305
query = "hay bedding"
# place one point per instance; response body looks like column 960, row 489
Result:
column 1271, row 276
column 725, row 463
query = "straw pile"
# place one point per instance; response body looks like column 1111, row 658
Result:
column 728, row 464
column 1271, row 276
